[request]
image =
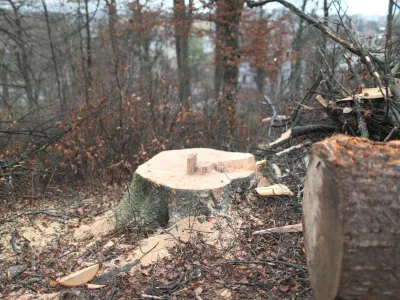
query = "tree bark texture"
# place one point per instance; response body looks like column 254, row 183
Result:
column 227, row 51
column 351, row 219
column 179, row 183
column 182, row 28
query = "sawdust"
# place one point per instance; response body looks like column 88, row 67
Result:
column 97, row 228
column 41, row 234
column 217, row 232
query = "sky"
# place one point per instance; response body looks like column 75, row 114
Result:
column 367, row 7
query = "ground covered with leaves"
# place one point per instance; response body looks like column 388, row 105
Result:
column 221, row 258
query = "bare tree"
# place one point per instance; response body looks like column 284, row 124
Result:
column 61, row 96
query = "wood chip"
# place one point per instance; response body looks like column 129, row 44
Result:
column 80, row 277
column 274, row 190
column 95, row 286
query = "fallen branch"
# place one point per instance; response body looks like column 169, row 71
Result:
column 12, row 241
column 278, row 118
column 152, row 297
column 283, row 229
column 291, row 149
column 306, row 129
column 110, row 276
column 302, row 130
column 43, row 212
column 285, row 137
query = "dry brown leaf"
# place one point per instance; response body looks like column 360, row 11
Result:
column 284, row 288
column 53, row 283
column 80, row 277
column 260, row 223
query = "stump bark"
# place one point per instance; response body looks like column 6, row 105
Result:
column 351, row 219
column 179, row 183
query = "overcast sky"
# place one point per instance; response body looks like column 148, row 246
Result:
column 367, row 7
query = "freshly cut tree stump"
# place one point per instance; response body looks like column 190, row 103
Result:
column 351, row 219
column 179, row 183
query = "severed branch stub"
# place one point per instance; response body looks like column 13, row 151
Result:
column 191, row 163
column 351, row 213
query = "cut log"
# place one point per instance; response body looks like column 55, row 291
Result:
column 351, row 219
column 179, row 183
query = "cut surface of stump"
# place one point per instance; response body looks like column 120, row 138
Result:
column 179, row 183
column 351, row 219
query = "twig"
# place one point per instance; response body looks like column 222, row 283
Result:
column 291, row 149
column 265, row 262
column 38, row 212
column 390, row 134
column 13, row 238
column 152, row 297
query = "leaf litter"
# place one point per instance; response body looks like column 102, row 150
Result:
column 215, row 257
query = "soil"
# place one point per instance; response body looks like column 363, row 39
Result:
column 199, row 258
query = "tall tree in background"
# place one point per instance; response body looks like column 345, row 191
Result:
column 228, row 15
column 22, row 54
column 61, row 95
column 183, row 22
column 297, row 46
column 88, row 80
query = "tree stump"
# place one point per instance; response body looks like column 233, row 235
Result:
column 179, row 183
column 351, row 219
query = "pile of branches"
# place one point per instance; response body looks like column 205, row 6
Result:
column 349, row 107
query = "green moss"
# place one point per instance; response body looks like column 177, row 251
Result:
column 155, row 205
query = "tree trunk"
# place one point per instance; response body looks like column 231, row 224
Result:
column 22, row 56
column 53, row 56
column 88, row 52
column 296, row 75
column 180, row 183
column 182, row 27
column 351, row 219
column 219, row 68
column 230, row 12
